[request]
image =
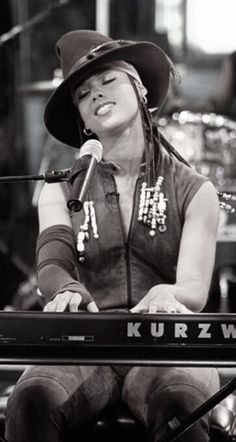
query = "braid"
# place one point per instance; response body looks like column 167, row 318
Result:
column 160, row 139
column 150, row 141
column 153, row 139
column 148, row 135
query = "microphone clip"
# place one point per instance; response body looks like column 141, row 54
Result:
column 55, row 176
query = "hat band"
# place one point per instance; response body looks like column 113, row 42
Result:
column 98, row 50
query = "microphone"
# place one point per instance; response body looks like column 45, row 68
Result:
column 92, row 148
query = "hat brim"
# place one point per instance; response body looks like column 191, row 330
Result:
column 151, row 63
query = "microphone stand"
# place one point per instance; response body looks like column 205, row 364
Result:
column 18, row 29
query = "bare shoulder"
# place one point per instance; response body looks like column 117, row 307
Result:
column 51, row 192
column 206, row 196
column 205, row 205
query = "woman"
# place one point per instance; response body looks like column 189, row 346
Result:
column 144, row 241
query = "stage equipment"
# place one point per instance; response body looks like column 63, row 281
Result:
column 118, row 338
column 123, row 338
column 93, row 150
column 42, row 87
column 207, row 141
column 37, row 18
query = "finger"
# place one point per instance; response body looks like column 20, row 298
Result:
column 92, row 307
column 171, row 309
column 183, row 309
column 153, row 307
column 57, row 304
column 138, row 308
column 177, row 308
column 75, row 302
column 61, row 305
column 50, row 307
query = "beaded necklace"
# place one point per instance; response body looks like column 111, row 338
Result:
column 90, row 222
column 152, row 207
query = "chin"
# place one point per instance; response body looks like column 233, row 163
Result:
column 108, row 128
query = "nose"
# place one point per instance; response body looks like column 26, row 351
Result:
column 97, row 94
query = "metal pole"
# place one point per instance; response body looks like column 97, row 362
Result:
column 103, row 16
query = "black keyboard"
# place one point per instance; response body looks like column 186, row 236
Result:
column 117, row 338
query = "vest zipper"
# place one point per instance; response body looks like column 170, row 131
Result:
column 126, row 243
column 129, row 288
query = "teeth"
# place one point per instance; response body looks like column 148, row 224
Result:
column 104, row 109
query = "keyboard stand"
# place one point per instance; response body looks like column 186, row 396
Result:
column 175, row 433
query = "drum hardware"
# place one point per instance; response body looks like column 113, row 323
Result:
column 27, row 296
column 209, row 119
column 45, row 86
column 207, row 141
column 186, row 138
column 34, row 20
column 224, row 205
column 227, row 196
column 227, row 207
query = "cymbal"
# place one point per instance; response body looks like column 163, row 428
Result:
column 39, row 87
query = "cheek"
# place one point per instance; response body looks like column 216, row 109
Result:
column 129, row 107
column 128, row 99
column 84, row 113
column 88, row 118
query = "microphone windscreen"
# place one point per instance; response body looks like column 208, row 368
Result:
column 93, row 148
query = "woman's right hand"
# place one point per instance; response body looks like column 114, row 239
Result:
column 70, row 300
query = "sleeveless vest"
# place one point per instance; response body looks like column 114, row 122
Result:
column 119, row 272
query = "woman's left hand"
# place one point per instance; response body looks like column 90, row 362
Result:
column 160, row 298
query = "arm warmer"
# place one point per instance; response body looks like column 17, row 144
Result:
column 56, row 258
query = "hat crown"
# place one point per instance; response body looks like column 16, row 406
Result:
column 74, row 46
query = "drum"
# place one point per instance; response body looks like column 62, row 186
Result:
column 184, row 134
column 206, row 141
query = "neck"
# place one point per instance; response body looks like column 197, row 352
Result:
column 125, row 149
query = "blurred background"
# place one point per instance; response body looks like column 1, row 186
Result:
column 198, row 118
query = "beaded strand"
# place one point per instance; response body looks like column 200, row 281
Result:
column 152, row 207
column 83, row 235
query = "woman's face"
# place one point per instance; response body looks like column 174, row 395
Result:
column 107, row 102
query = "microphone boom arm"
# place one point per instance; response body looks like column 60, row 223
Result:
column 52, row 176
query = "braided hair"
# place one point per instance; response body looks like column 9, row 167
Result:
column 153, row 138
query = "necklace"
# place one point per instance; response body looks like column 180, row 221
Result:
column 152, row 212
column 83, row 235
column 152, row 207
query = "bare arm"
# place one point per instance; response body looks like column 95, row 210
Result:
column 195, row 261
column 197, row 249
column 52, row 207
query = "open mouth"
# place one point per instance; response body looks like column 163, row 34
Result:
column 104, row 109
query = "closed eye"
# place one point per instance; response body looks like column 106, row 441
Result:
column 83, row 94
column 108, row 80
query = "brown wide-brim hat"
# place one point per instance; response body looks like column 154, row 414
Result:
column 81, row 53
